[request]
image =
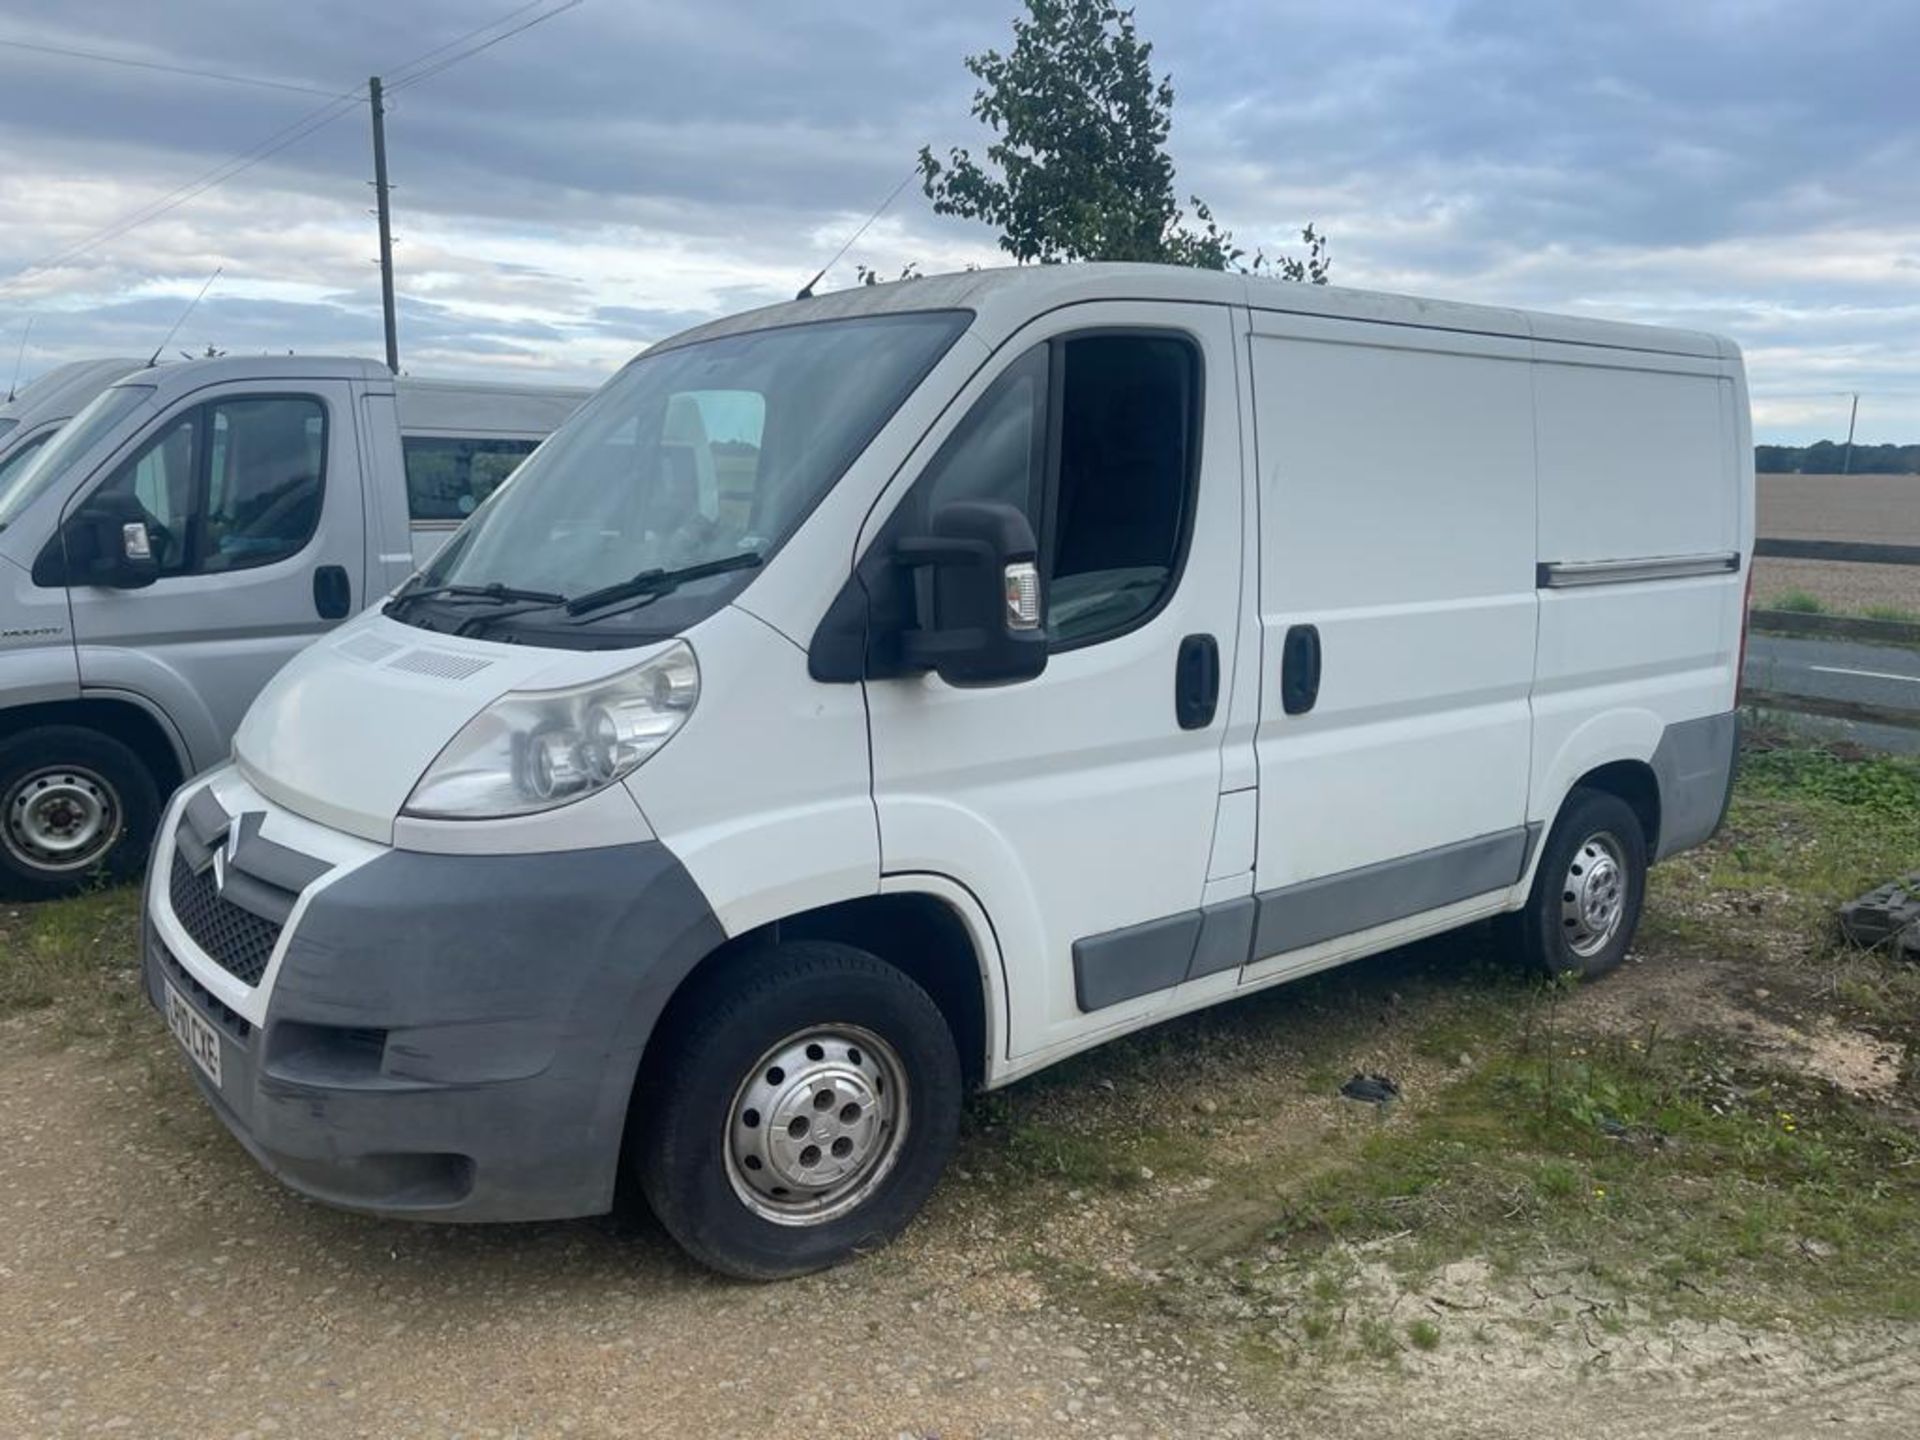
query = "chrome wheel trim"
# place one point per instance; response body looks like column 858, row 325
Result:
column 1593, row 894
column 60, row 818
column 816, row 1125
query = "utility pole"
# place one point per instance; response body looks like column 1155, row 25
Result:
column 1846, row 465
column 380, row 188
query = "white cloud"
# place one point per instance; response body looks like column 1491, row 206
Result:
column 632, row 167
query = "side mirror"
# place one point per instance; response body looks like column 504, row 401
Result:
column 108, row 543
column 979, row 596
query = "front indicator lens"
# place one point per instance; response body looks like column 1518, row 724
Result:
column 533, row 750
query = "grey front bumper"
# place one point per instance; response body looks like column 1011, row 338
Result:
column 456, row 1037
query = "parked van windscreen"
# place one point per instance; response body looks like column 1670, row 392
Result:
column 701, row 458
column 79, row 435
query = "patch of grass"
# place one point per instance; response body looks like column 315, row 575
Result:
column 1692, row 1174
column 78, row 958
column 1797, row 602
column 1424, row 1334
column 1898, row 614
column 1808, row 829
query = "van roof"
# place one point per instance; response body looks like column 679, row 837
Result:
column 1007, row 296
column 60, row 392
column 431, row 403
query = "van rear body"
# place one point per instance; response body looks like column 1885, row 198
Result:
column 905, row 689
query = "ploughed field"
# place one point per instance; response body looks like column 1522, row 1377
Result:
column 1682, row 1201
column 1883, row 509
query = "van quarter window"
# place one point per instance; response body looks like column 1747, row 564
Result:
column 449, row 476
column 231, row 484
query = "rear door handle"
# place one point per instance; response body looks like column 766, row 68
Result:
column 1300, row 669
column 332, row 592
column 1196, row 683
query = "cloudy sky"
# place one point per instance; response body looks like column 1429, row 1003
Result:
column 632, row 166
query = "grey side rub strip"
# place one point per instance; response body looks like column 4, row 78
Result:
column 1336, row 905
column 1139, row 959
column 1572, row 574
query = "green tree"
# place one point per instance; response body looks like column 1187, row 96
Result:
column 1078, row 168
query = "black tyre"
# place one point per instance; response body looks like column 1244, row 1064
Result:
column 1588, row 890
column 803, row 1114
column 76, row 807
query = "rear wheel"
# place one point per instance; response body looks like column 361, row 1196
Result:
column 803, row 1116
column 1588, row 890
column 75, row 806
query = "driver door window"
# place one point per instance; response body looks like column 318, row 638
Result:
column 231, row 484
column 1096, row 439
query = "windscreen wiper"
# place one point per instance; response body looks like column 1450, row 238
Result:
column 658, row 582
column 498, row 593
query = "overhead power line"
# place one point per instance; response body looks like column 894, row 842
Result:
column 452, row 60
column 317, row 119
column 165, row 69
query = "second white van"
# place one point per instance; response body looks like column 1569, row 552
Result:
column 895, row 692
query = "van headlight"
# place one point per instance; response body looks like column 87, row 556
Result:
column 534, row 750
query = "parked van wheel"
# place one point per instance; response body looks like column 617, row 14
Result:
column 805, row 1116
column 75, row 806
column 1587, row 891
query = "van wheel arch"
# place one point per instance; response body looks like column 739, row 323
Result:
column 132, row 725
column 1632, row 781
column 917, row 933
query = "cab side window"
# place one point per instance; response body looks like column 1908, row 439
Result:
column 232, row 484
column 1096, row 439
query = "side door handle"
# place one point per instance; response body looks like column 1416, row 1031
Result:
column 1300, row 669
column 1196, row 682
column 332, row 592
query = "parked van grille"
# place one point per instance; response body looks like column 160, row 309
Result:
column 237, row 940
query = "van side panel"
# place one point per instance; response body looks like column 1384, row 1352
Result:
column 1639, row 462
column 1397, row 518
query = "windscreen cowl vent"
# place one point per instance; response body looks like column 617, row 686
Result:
column 440, row 664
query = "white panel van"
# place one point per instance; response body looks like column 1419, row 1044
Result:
column 894, row 692
column 176, row 541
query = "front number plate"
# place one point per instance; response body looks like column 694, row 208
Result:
column 196, row 1036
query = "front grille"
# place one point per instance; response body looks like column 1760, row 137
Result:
column 237, row 940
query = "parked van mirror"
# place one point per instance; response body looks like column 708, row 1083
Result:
column 108, row 542
column 981, row 604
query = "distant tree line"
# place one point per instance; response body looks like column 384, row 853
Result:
column 1825, row 457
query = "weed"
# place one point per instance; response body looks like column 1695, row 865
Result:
column 1797, row 602
column 1424, row 1334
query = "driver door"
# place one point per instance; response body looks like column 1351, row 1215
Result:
column 1080, row 806
column 253, row 499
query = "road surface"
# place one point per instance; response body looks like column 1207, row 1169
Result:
column 1882, row 675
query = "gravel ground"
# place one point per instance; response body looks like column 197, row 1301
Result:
column 154, row 1283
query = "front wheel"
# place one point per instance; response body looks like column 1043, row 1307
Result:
column 804, row 1114
column 1588, row 890
column 75, row 805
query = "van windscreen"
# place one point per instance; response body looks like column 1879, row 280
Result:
column 702, row 453
column 76, row 437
